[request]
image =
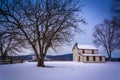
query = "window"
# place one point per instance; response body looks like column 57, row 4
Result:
column 79, row 59
column 92, row 51
column 93, row 58
column 100, row 58
column 87, row 58
column 83, row 51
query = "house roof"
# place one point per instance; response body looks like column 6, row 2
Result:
column 92, row 55
column 87, row 47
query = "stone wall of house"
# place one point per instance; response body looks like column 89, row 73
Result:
column 91, row 59
column 75, row 54
column 87, row 51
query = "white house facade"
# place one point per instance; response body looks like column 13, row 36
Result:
column 87, row 54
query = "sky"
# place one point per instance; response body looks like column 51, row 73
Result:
column 94, row 12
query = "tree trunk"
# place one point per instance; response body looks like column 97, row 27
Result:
column 109, row 56
column 110, row 59
column 4, row 57
column 41, row 63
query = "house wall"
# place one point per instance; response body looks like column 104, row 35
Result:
column 97, row 59
column 87, row 51
column 96, row 51
column 75, row 55
column 84, row 59
column 80, row 58
column 103, row 58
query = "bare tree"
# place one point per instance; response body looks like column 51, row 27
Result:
column 115, row 10
column 45, row 24
column 104, row 35
column 116, row 24
column 10, row 43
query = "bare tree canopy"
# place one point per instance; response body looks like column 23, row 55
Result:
column 115, row 8
column 10, row 43
column 105, row 36
column 116, row 19
column 116, row 24
column 43, row 23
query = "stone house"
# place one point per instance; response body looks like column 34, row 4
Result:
column 87, row 54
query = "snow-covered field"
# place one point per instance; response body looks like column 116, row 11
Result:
column 61, row 71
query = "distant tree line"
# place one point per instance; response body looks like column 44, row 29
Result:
column 107, row 33
column 38, row 24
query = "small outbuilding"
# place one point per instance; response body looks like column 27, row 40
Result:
column 87, row 54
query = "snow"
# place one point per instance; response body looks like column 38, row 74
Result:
column 63, row 70
column 87, row 47
column 92, row 55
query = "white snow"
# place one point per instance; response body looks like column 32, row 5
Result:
column 57, row 70
column 92, row 54
column 86, row 47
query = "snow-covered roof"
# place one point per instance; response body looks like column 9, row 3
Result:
column 92, row 55
column 86, row 47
